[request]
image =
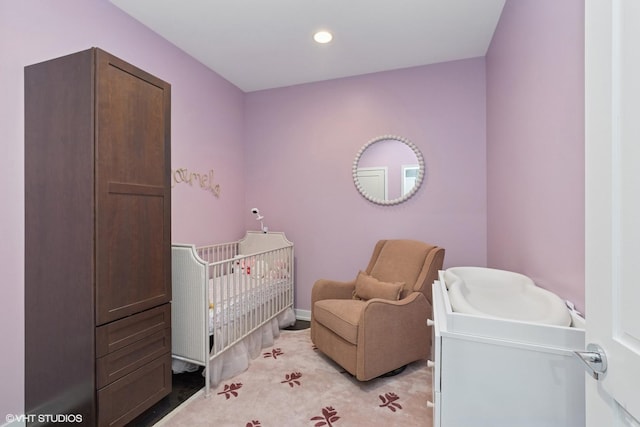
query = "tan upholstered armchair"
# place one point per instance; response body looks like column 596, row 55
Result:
column 377, row 323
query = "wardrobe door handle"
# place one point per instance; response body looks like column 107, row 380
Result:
column 429, row 404
column 594, row 360
column 430, row 322
column 430, row 364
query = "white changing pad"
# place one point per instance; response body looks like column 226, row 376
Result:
column 504, row 294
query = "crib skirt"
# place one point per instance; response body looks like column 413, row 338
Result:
column 236, row 359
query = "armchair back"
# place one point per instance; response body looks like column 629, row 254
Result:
column 412, row 262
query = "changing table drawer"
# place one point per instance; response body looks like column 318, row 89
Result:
column 124, row 399
column 121, row 362
column 123, row 332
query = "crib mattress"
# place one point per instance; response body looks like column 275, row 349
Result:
column 236, row 295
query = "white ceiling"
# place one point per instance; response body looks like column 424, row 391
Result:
column 263, row 44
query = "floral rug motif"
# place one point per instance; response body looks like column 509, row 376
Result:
column 293, row 384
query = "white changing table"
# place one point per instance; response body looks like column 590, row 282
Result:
column 491, row 372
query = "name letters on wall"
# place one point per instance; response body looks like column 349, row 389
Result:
column 204, row 180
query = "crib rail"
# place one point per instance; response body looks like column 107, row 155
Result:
column 218, row 252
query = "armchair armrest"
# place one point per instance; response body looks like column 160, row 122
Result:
column 332, row 289
column 401, row 325
column 401, row 312
column 329, row 289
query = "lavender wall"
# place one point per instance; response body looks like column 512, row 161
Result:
column 206, row 133
column 301, row 142
column 508, row 143
column 535, row 144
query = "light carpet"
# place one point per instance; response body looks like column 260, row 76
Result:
column 293, row 384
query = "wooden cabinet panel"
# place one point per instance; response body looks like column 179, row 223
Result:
column 126, row 360
column 124, row 332
column 59, row 206
column 133, row 239
column 124, row 399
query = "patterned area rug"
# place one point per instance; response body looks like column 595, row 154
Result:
column 293, row 384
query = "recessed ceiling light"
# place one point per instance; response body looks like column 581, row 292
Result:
column 323, row 37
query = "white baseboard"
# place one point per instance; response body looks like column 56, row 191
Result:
column 303, row 314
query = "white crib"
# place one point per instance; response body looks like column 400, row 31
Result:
column 236, row 293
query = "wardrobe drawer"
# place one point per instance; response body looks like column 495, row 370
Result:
column 123, row 332
column 121, row 362
column 124, row 399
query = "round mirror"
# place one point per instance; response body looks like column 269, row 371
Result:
column 388, row 170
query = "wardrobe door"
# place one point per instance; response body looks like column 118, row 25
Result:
column 133, row 205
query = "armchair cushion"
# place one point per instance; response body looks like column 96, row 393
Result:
column 368, row 287
column 340, row 316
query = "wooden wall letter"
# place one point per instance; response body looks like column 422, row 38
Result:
column 204, row 180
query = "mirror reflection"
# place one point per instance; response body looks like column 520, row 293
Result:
column 388, row 170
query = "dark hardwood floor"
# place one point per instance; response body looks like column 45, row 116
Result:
column 184, row 386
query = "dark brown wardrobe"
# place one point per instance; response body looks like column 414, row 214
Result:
column 97, row 239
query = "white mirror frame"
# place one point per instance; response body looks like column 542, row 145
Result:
column 403, row 198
